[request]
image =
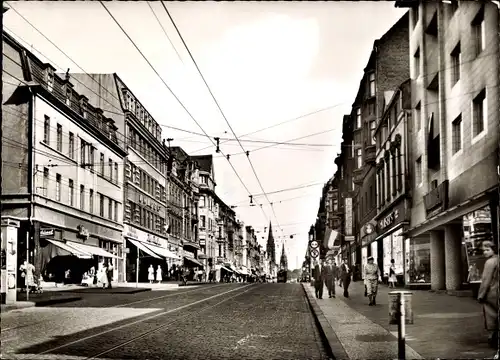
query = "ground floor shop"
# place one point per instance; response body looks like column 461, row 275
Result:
column 149, row 257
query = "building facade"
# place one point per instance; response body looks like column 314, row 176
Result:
column 67, row 207
column 454, row 52
column 387, row 68
column 393, row 174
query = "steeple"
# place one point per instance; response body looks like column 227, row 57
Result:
column 283, row 259
column 270, row 246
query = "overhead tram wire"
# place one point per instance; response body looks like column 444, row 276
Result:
column 175, row 96
column 220, row 110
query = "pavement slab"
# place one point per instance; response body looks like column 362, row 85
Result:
column 360, row 337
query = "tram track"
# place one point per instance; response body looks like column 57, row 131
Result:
column 177, row 293
column 103, row 336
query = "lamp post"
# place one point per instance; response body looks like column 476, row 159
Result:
column 311, row 265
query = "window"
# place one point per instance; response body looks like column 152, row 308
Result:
column 352, row 149
column 358, row 118
column 59, row 138
column 335, row 205
column 110, row 168
column 418, row 171
column 101, row 205
column 58, row 187
column 479, row 113
column 82, row 197
column 388, row 179
column 418, row 117
column 456, row 131
column 50, row 80
column 83, row 148
column 71, row 193
column 91, row 201
column 455, row 64
column 45, row 181
column 203, row 221
column 116, row 211
column 359, row 158
column 416, row 63
column 479, row 32
column 101, row 170
column 373, row 125
column 110, row 209
column 116, row 172
column 91, row 158
column 71, row 147
column 371, row 82
column 46, row 130
column 202, row 201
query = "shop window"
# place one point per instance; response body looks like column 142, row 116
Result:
column 420, row 260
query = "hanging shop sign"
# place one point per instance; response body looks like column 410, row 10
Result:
column 348, row 216
column 47, row 233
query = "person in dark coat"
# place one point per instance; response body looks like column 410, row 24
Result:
column 345, row 276
column 319, row 273
column 488, row 291
column 330, row 274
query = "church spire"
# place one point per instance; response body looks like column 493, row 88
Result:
column 283, row 259
column 271, row 247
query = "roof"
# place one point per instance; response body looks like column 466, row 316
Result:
column 205, row 162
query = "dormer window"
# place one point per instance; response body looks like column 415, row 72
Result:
column 371, row 84
column 69, row 95
column 50, row 79
column 84, row 107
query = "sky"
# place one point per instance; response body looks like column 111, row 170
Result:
column 265, row 62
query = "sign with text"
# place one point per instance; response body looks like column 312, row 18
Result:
column 47, row 233
column 348, row 216
column 395, row 216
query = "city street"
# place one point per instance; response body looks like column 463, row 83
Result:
column 222, row 321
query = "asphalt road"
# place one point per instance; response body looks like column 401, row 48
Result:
column 223, row 321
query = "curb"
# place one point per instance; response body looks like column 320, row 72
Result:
column 57, row 300
column 117, row 291
column 17, row 306
column 333, row 346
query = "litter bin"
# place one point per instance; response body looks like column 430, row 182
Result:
column 394, row 307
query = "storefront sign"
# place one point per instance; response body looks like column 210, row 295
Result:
column 348, row 216
column 83, row 233
column 189, row 253
column 130, row 232
column 202, row 242
column 153, row 239
column 47, row 233
column 396, row 216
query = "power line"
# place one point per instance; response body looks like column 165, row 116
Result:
column 173, row 94
column 219, row 107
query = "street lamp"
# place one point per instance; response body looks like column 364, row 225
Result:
column 311, row 267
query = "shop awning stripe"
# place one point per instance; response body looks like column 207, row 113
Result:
column 139, row 246
column 162, row 251
column 193, row 260
column 94, row 250
column 73, row 251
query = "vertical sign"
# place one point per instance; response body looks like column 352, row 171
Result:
column 348, row 216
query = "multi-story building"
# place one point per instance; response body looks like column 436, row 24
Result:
column 387, row 68
column 146, row 188
column 393, row 186
column 206, row 211
column 454, row 52
column 253, row 252
column 62, row 171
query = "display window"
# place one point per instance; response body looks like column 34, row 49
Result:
column 353, row 258
column 397, row 251
column 407, row 260
column 477, row 227
column 420, row 260
column 374, row 246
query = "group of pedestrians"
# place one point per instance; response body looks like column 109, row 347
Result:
column 327, row 274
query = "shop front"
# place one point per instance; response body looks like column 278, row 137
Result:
column 145, row 250
column 391, row 224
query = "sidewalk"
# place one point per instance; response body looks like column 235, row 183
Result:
column 444, row 326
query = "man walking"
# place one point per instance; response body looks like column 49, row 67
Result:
column 345, row 276
column 319, row 273
column 372, row 277
column 330, row 276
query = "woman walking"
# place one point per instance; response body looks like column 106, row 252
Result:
column 151, row 274
column 392, row 275
column 372, row 277
column 159, row 276
column 488, row 292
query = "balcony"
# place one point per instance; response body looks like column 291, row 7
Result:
column 437, row 199
column 370, row 155
column 357, row 176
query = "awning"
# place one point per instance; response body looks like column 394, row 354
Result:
column 244, row 271
column 162, row 251
column 72, row 251
column 94, row 250
column 189, row 258
column 225, row 268
column 139, row 246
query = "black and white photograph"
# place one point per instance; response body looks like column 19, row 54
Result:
column 258, row 180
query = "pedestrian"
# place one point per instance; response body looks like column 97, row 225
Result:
column 102, row 276
column 392, row 275
column 151, row 273
column 488, row 291
column 330, row 276
column 109, row 273
column 319, row 279
column 159, row 276
column 345, row 275
column 372, row 277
